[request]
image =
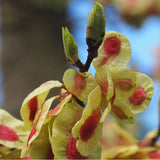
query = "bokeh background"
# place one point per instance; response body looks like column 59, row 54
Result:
column 31, row 48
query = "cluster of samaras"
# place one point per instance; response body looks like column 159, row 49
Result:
column 70, row 131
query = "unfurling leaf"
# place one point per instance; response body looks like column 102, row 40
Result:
column 95, row 26
column 70, row 46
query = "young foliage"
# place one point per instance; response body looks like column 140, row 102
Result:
column 70, row 46
column 95, row 26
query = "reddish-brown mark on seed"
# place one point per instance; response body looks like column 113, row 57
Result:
column 88, row 128
column 119, row 112
column 112, row 48
column 138, row 96
column 71, row 150
column 33, row 107
column 80, row 84
column 8, row 134
column 33, row 132
column 123, row 84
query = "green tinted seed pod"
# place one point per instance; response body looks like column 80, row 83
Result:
column 95, row 25
column 70, row 46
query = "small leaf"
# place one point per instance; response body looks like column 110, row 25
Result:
column 95, row 25
column 123, row 79
column 32, row 104
column 88, row 130
column 79, row 84
column 114, row 51
column 70, row 46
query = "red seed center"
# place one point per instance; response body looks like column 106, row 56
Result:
column 123, row 84
column 138, row 97
column 71, row 150
column 8, row 134
column 80, row 84
column 119, row 112
column 112, row 45
column 33, row 106
column 33, row 132
column 88, row 128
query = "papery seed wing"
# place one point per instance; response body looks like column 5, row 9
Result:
column 114, row 51
column 61, row 127
column 106, row 112
column 63, row 143
column 38, row 125
column 88, row 130
column 40, row 120
column 104, row 80
column 121, row 111
column 41, row 148
column 141, row 98
column 32, row 104
column 56, row 111
column 79, row 84
column 12, row 132
column 133, row 89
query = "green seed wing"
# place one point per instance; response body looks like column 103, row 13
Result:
column 12, row 133
column 33, row 102
column 79, row 84
column 88, row 130
column 115, row 51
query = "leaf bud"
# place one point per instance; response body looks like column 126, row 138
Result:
column 70, row 46
column 96, row 23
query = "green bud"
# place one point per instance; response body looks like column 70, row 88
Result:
column 95, row 25
column 70, row 46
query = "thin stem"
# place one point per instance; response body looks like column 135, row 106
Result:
column 92, row 53
column 155, row 139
